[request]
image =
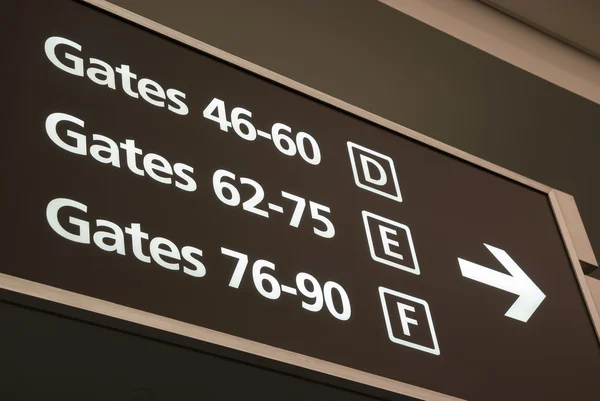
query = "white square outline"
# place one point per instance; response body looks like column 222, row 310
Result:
column 415, row 270
column 398, row 196
column 436, row 348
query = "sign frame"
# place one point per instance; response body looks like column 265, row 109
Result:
column 563, row 205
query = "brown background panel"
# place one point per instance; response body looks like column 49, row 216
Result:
column 451, row 207
column 385, row 62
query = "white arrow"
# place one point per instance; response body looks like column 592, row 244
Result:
column 517, row 282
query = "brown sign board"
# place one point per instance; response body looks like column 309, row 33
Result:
column 173, row 187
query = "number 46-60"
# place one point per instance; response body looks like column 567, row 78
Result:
column 281, row 135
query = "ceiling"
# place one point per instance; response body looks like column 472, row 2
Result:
column 574, row 21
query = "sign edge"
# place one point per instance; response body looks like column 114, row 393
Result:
column 125, row 313
column 311, row 92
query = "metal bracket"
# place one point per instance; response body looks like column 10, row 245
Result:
column 581, row 242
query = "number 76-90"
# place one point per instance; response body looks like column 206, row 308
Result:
column 315, row 296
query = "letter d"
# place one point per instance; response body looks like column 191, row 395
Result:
column 365, row 161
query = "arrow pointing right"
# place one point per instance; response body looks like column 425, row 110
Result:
column 517, row 282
